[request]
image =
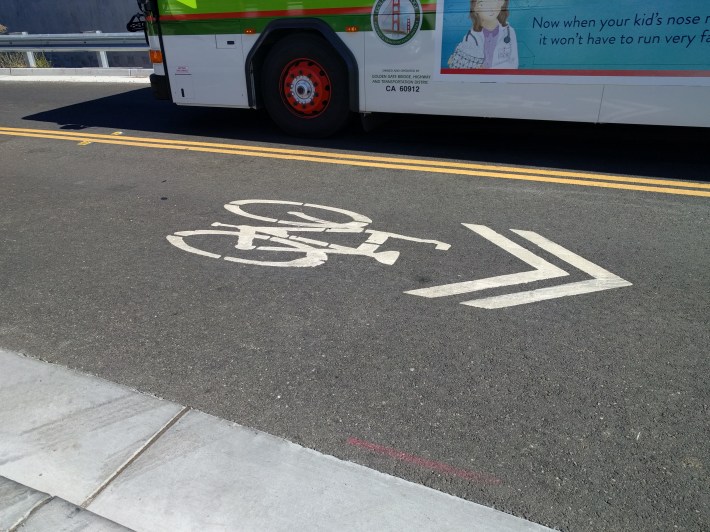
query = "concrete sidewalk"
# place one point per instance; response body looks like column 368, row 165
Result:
column 78, row 453
column 25, row 509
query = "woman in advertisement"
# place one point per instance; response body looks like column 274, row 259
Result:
column 491, row 42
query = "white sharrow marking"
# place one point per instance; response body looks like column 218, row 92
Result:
column 543, row 269
column 603, row 279
column 542, row 294
column 566, row 255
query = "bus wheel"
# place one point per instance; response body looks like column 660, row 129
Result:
column 305, row 87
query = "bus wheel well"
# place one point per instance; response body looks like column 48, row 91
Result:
column 281, row 29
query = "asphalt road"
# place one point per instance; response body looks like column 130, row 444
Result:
column 586, row 412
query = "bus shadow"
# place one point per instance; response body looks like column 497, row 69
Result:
column 655, row 151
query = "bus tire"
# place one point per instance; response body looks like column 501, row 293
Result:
column 305, row 87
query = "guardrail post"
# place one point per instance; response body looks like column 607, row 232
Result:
column 103, row 58
column 30, row 55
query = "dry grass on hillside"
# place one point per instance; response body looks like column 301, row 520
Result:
column 19, row 59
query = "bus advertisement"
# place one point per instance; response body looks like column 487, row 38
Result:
column 312, row 63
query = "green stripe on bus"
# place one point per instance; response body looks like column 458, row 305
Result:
column 178, row 7
column 198, row 7
column 229, row 26
column 237, row 25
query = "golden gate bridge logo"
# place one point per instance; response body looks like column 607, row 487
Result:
column 396, row 21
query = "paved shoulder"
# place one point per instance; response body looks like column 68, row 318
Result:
column 153, row 465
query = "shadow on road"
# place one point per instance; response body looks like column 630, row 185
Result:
column 668, row 152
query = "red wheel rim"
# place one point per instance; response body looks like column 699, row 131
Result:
column 305, row 88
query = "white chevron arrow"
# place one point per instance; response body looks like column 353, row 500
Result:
column 602, row 279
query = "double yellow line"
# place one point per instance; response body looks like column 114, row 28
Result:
column 663, row 186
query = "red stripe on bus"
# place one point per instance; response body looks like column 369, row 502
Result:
column 541, row 72
column 427, row 8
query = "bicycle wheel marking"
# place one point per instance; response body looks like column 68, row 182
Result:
column 315, row 252
column 358, row 220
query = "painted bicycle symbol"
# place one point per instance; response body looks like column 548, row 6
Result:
column 284, row 237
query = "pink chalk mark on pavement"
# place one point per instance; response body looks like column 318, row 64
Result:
column 482, row 478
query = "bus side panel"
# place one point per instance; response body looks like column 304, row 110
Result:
column 206, row 69
column 656, row 105
column 401, row 79
column 356, row 44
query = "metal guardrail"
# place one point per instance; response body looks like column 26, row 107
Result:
column 94, row 41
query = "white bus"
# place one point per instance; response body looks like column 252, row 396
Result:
column 312, row 63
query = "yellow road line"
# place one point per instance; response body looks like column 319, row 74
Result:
column 420, row 162
column 374, row 161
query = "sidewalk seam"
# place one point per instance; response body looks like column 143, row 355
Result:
column 135, row 456
column 32, row 511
